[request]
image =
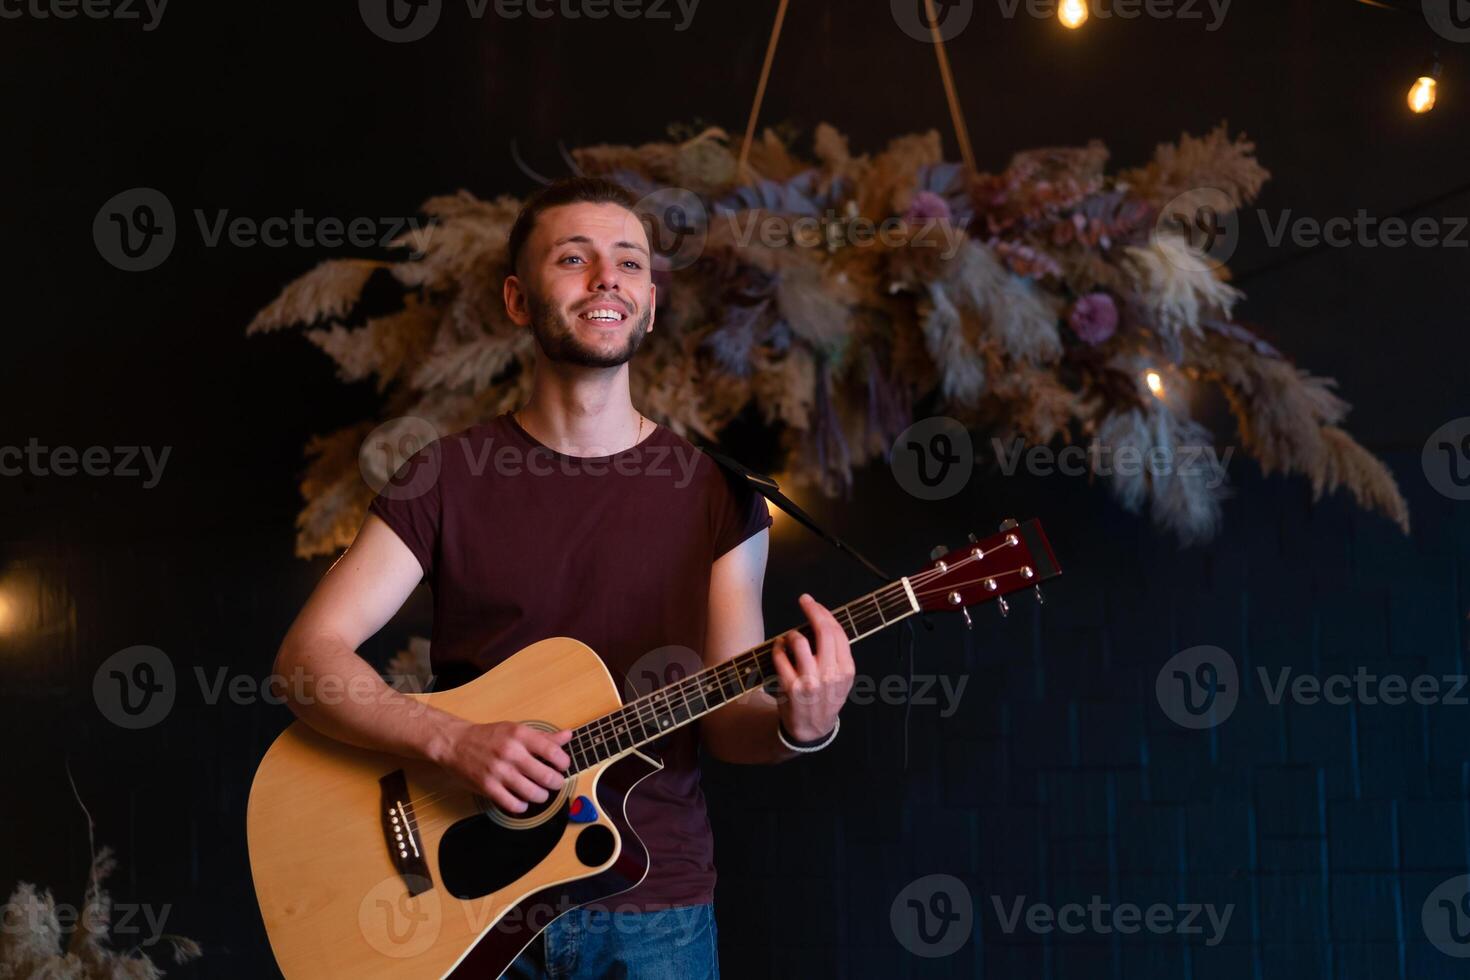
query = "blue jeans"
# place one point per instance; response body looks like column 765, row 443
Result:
column 671, row 944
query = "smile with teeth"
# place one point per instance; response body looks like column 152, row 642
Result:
column 604, row 314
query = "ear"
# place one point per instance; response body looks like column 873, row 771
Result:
column 516, row 306
column 652, row 306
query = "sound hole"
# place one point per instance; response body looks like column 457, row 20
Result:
column 595, row 845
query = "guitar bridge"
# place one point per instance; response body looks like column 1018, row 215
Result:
column 401, row 833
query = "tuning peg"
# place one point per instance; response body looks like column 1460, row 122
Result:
column 968, row 624
column 1005, row 607
column 973, row 539
column 1040, row 599
column 1009, row 524
column 937, row 552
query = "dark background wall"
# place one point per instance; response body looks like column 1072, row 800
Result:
column 1057, row 777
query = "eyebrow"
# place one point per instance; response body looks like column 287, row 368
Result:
column 584, row 240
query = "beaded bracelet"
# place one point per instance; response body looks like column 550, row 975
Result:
column 816, row 746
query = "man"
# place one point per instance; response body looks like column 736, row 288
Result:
column 593, row 522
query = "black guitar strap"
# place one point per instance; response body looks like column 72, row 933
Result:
column 768, row 488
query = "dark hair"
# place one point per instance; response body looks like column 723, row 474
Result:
column 568, row 190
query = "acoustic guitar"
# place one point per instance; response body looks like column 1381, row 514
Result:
column 369, row 865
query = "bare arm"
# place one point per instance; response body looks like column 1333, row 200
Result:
column 338, row 693
column 814, row 683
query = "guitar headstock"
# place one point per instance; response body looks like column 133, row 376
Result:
column 1018, row 557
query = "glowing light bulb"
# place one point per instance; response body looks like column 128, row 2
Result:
column 1072, row 13
column 1155, row 383
column 1423, row 93
column 6, row 617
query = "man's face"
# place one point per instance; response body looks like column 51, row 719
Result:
column 584, row 284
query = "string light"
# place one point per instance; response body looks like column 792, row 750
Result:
column 1155, row 383
column 1072, row 13
column 1425, row 90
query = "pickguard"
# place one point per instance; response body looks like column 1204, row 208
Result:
column 478, row 856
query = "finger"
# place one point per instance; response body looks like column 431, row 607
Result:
column 800, row 650
column 826, row 630
column 540, row 773
column 523, row 788
column 784, row 669
column 502, row 797
column 548, row 747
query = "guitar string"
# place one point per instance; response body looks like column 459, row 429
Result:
column 439, row 822
column 731, row 667
column 728, row 667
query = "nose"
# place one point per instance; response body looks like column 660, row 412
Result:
column 603, row 277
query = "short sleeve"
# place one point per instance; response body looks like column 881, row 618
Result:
column 740, row 512
column 411, row 503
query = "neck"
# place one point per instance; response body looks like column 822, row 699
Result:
column 584, row 413
column 655, row 715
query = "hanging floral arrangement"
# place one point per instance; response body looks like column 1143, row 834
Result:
column 831, row 297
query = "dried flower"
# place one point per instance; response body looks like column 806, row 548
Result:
column 926, row 205
column 1094, row 318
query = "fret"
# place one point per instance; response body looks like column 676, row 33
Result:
column 727, row 677
column 691, row 692
column 654, row 715
column 578, row 759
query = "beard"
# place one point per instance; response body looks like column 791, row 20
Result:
column 558, row 338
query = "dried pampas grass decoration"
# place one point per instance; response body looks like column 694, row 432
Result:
column 34, row 945
column 1028, row 302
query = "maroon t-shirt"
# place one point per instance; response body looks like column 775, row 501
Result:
column 519, row 543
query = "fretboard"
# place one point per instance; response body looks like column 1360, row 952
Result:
column 655, row 715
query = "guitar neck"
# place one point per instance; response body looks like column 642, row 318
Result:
column 655, row 715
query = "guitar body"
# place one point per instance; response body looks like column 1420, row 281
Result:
column 370, row 865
